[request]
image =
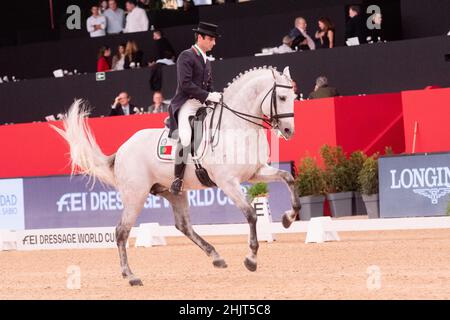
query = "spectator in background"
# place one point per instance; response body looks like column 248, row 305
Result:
column 115, row 18
column 164, row 49
column 144, row 4
column 122, row 106
column 301, row 39
column 164, row 55
column 103, row 63
column 158, row 105
column 285, row 46
column 118, row 61
column 355, row 25
column 325, row 34
column 96, row 23
column 137, row 20
column 103, row 6
column 133, row 56
column 322, row 90
column 298, row 95
column 376, row 34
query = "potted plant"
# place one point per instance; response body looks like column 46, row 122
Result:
column 356, row 162
column 310, row 185
column 337, row 181
column 258, row 190
column 368, row 181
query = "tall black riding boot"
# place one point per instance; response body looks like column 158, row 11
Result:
column 180, row 166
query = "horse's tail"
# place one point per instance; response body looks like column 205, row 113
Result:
column 85, row 154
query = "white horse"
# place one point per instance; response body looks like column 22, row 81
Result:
column 258, row 96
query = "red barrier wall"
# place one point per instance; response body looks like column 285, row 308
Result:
column 366, row 123
column 35, row 149
column 431, row 110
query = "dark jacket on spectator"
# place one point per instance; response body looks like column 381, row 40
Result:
column 118, row 111
column 298, row 38
column 323, row 92
column 194, row 81
column 163, row 50
column 355, row 27
column 136, row 58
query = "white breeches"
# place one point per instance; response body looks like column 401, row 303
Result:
column 184, row 129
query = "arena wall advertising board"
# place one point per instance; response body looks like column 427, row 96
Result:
column 415, row 185
column 71, row 202
column 11, row 204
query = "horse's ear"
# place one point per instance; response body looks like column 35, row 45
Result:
column 287, row 73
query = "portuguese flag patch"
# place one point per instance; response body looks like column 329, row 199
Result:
column 166, row 150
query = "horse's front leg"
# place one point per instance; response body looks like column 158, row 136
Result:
column 271, row 174
column 233, row 190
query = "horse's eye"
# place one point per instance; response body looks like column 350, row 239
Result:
column 283, row 98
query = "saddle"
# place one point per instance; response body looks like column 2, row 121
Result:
column 166, row 146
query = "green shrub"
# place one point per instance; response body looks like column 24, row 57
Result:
column 310, row 179
column 368, row 176
column 355, row 163
column 388, row 151
column 337, row 170
column 448, row 209
column 257, row 190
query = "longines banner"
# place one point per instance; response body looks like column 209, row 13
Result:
column 65, row 202
column 414, row 186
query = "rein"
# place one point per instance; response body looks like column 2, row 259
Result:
column 272, row 121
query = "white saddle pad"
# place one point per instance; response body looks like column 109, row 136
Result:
column 166, row 146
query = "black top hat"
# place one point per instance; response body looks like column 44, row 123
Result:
column 207, row 29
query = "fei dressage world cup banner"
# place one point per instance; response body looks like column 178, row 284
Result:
column 414, row 185
column 70, row 202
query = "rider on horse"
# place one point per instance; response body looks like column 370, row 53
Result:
column 194, row 88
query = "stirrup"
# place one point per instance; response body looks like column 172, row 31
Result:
column 177, row 186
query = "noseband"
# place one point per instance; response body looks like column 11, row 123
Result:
column 272, row 121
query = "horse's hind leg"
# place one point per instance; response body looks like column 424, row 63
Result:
column 133, row 203
column 233, row 190
column 180, row 207
column 271, row 174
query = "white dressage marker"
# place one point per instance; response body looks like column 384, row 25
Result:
column 264, row 224
column 149, row 235
column 320, row 230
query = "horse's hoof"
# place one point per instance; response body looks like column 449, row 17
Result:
column 250, row 265
column 286, row 221
column 136, row 282
column 220, row 264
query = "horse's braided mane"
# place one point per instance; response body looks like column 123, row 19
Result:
column 238, row 79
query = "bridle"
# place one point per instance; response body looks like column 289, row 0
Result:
column 272, row 121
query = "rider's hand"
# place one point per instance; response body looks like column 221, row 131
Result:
column 214, row 97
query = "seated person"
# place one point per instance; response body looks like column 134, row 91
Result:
column 322, row 90
column 158, row 105
column 103, row 64
column 133, row 56
column 122, row 106
column 285, row 47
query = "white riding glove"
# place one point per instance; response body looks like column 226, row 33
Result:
column 214, row 97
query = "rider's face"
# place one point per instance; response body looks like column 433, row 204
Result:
column 206, row 43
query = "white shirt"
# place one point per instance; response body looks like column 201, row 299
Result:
column 201, row 51
column 311, row 44
column 126, row 110
column 98, row 20
column 115, row 20
column 137, row 21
